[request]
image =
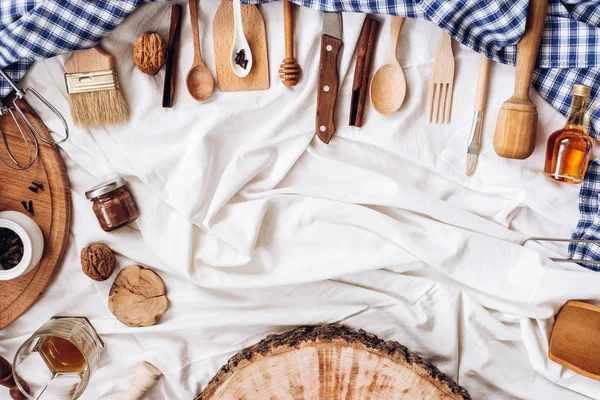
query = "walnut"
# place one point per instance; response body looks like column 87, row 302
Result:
column 149, row 53
column 98, row 261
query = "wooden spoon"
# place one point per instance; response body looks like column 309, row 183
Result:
column 199, row 80
column 388, row 85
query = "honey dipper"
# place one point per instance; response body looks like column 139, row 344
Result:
column 289, row 70
column 517, row 120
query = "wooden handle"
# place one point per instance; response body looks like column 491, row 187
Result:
column 328, row 87
column 288, row 24
column 482, row 83
column 195, row 31
column 528, row 46
column 395, row 28
column 171, row 65
column 90, row 60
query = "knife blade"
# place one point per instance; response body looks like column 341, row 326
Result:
column 331, row 42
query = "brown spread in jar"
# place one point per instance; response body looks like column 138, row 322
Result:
column 113, row 204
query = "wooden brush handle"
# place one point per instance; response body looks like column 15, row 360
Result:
column 528, row 46
column 482, row 83
column 288, row 25
column 90, row 60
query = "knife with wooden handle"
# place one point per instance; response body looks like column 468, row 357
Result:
column 327, row 89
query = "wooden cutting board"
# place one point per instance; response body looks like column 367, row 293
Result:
column 329, row 362
column 254, row 28
column 52, row 212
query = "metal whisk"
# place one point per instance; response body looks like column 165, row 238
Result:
column 25, row 127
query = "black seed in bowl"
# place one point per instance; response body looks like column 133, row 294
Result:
column 11, row 249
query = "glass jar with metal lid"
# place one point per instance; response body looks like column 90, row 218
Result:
column 113, row 204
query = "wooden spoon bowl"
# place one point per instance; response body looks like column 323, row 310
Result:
column 199, row 82
column 388, row 88
column 388, row 85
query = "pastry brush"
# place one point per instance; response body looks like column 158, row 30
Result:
column 94, row 94
column 480, row 96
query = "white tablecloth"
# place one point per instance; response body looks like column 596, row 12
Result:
column 257, row 227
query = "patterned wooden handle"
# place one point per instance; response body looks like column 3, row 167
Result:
column 328, row 87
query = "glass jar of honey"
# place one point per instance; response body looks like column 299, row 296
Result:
column 113, row 204
column 58, row 360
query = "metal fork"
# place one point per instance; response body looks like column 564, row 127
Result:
column 442, row 82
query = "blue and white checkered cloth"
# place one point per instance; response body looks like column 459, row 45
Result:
column 570, row 51
column 36, row 29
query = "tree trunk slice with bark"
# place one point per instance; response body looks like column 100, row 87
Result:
column 138, row 297
column 329, row 362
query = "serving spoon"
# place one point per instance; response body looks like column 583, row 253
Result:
column 388, row 85
column 239, row 43
column 199, row 80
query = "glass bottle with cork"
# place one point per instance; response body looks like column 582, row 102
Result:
column 569, row 149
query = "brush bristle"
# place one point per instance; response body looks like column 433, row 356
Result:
column 471, row 164
column 98, row 109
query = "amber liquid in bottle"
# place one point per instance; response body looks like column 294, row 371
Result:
column 569, row 149
column 62, row 356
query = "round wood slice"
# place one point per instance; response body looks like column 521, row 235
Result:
column 52, row 212
column 138, row 297
column 329, row 362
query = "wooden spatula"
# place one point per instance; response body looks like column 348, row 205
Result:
column 517, row 120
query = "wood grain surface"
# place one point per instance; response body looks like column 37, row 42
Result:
column 517, row 120
column 52, row 212
column 90, row 60
column 575, row 340
column 254, row 28
column 329, row 362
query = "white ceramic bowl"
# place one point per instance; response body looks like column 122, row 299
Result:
column 33, row 242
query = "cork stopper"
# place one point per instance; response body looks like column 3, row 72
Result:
column 581, row 90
